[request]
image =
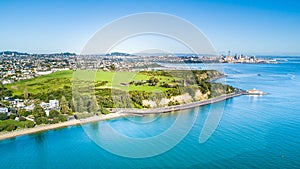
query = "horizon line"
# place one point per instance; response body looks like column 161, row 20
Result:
column 176, row 53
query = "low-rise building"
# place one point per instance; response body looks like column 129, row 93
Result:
column 53, row 103
column 3, row 110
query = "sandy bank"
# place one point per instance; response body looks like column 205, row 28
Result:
column 40, row 128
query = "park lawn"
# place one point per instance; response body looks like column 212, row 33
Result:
column 56, row 80
column 41, row 83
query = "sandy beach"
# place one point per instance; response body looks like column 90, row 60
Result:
column 40, row 128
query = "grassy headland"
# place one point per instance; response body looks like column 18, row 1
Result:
column 134, row 89
column 85, row 93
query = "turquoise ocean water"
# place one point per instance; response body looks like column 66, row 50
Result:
column 254, row 131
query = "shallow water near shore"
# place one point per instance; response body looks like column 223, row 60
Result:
column 254, row 131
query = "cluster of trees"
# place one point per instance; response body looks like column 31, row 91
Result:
column 169, row 85
column 173, row 103
column 152, row 81
column 8, row 123
column 8, row 127
column 82, row 103
column 218, row 89
column 156, row 73
column 138, row 83
column 40, row 116
column 100, row 83
column 4, row 92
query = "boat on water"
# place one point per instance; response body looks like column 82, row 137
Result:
column 255, row 92
column 273, row 61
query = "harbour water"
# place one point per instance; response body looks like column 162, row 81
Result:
column 254, row 131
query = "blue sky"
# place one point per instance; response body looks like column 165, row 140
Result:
column 242, row 26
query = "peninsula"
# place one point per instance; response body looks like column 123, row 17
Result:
column 62, row 98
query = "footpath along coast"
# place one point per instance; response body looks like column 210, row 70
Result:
column 182, row 106
column 118, row 113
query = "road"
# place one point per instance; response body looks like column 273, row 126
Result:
column 237, row 92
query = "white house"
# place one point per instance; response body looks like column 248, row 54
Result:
column 29, row 108
column 45, row 105
column 53, row 103
column 3, row 110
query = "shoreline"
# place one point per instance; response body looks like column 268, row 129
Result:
column 118, row 114
column 42, row 128
column 179, row 107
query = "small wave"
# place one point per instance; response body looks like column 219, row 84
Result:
column 242, row 75
column 292, row 77
column 288, row 76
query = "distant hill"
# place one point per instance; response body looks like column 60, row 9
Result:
column 14, row 53
column 65, row 53
column 118, row 54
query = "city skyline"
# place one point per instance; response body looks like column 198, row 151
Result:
column 249, row 27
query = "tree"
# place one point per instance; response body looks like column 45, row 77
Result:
column 104, row 110
column 3, row 116
column 73, row 105
column 2, row 88
column 55, row 120
column 4, row 91
column 80, row 105
column 25, row 93
column 5, row 103
column 62, row 118
column 93, row 105
column 153, row 81
column 12, row 116
column 53, row 113
column 41, row 120
column 64, row 105
column 38, row 111
column 10, row 127
column 22, row 119
column 22, row 112
column 29, row 124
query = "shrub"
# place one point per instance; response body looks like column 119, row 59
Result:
column 10, row 127
column 23, row 112
column 62, row 118
column 55, row 120
column 104, row 111
column 41, row 120
column 12, row 116
column 30, row 124
column 22, row 119
column 3, row 116
column 53, row 113
column 82, row 115
column 2, row 128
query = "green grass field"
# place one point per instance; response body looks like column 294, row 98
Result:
column 117, row 89
column 38, row 84
column 66, row 78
